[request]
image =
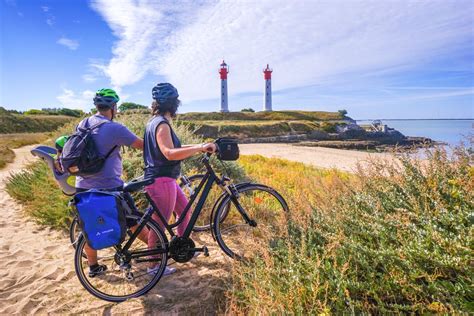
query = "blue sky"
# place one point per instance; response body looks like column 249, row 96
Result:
column 377, row 59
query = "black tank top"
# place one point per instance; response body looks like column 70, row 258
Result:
column 156, row 164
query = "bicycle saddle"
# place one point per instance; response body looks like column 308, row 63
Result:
column 136, row 185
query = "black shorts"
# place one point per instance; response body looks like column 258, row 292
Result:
column 128, row 198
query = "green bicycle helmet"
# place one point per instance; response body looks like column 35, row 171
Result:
column 106, row 98
column 60, row 141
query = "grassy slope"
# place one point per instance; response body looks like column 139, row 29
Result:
column 260, row 124
column 11, row 141
column 268, row 116
column 15, row 123
column 387, row 240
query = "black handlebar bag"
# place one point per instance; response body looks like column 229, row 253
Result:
column 227, row 149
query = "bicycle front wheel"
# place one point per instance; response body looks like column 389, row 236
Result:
column 267, row 216
column 127, row 279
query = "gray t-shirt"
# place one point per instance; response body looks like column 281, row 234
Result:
column 106, row 137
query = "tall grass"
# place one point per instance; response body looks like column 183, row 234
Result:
column 37, row 190
column 394, row 238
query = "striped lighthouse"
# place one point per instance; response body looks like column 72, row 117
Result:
column 223, row 71
column 267, row 102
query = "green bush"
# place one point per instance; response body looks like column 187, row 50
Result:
column 63, row 111
column 34, row 112
column 125, row 106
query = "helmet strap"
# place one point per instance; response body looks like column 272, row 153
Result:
column 113, row 109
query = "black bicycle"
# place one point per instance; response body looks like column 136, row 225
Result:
column 245, row 217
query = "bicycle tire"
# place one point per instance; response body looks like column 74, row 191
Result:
column 74, row 232
column 80, row 264
column 264, row 205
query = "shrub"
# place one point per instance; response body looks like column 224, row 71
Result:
column 34, row 112
column 248, row 110
column 394, row 238
column 125, row 106
column 342, row 112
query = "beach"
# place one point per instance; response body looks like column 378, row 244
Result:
column 346, row 160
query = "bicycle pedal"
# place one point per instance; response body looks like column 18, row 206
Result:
column 204, row 250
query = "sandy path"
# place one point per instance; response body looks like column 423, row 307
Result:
column 317, row 156
column 37, row 270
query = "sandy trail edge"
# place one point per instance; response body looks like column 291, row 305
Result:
column 37, row 274
column 341, row 159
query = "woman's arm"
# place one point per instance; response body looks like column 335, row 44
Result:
column 164, row 141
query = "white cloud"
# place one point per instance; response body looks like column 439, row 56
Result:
column 45, row 8
column 50, row 21
column 95, row 70
column 89, row 78
column 69, row 43
column 306, row 42
column 83, row 100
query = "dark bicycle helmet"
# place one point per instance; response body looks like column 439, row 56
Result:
column 106, row 98
column 163, row 92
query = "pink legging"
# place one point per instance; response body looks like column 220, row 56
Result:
column 168, row 197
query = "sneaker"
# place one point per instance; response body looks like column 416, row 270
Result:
column 168, row 270
column 96, row 270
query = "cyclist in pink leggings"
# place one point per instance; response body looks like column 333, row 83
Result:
column 163, row 153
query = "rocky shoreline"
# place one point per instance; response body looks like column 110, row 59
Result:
column 350, row 137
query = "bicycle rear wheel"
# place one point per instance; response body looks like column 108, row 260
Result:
column 263, row 205
column 132, row 279
column 74, row 232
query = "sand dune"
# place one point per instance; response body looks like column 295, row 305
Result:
column 37, row 274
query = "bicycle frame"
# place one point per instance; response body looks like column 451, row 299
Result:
column 206, row 184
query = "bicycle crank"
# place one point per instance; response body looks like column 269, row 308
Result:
column 182, row 249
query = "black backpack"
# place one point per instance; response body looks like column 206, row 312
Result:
column 80, row 155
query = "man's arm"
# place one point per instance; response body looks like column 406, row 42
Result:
column 137, row 144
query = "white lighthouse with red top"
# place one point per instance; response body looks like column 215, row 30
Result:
column 223, row 71
column 267, row 102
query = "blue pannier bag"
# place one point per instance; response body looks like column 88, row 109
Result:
column 101, row 217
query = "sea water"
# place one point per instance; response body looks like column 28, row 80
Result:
column 452, row 132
